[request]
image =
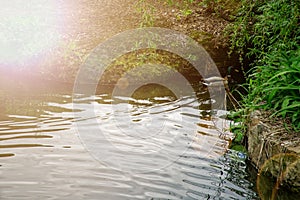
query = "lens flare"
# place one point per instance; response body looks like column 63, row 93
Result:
column 28, row 29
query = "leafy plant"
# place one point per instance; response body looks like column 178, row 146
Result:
column 268, row 31
column 281, row 89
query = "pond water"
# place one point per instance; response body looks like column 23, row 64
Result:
column 44, row 153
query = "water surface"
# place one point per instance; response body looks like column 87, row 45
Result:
column 42, row 155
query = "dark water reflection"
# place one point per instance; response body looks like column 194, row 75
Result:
column 42, row 157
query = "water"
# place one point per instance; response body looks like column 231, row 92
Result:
column 45, row 153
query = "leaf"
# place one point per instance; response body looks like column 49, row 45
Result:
column 239, row 136
column 285, row 103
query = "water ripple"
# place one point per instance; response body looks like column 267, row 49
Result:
column 41, row 152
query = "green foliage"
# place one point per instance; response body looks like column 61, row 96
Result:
column 186, row 12
column 265, row 26
column 239, row 148
column 238, row 128
column 147, row 11
column 268, row 31
column 186, row 8
column 276, row 29
column 240, row 30
column 279, row 85
column 135, row 63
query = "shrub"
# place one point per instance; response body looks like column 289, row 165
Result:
column 268, row 31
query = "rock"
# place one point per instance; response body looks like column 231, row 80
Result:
column 271, row 151
column 291, row 176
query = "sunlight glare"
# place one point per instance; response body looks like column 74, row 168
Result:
column 28, row 29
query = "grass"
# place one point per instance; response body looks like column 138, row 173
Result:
column 267, row 32
column 280, row 89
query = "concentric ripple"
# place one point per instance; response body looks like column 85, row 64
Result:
column 41, row 156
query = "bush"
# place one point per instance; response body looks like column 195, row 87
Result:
column 268, row 31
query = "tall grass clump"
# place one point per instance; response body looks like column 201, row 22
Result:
column 268, row 33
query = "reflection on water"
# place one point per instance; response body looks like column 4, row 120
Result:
column 42, row 157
